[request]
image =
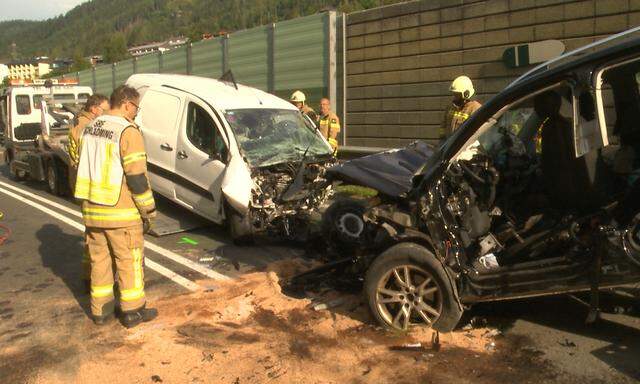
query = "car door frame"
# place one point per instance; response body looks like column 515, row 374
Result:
column 206, row 188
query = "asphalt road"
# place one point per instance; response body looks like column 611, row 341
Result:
column 44, row 312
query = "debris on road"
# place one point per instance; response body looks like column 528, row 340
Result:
column 187, row 240
column 331, row 304
column 567, row 343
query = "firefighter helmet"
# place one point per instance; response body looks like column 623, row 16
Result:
column 463, row 85
column 298, row 97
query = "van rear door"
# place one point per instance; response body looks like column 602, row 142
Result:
column 158, row 118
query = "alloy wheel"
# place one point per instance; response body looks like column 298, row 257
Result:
column 406, row 295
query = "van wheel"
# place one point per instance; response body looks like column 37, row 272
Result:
column 239, row 227
column 56, row 177
column 406, row 285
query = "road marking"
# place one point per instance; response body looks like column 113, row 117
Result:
column 190, row 285
column 147, row 244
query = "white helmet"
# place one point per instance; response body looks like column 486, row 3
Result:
column 298, row 97
column 463, row 85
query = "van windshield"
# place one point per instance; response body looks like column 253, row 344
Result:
column 271, row 136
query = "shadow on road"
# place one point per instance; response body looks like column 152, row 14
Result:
column 568, row 315
column 62, row 254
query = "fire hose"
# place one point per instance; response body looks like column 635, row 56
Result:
column 5, row 232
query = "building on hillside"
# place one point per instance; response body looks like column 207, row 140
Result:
column 163, row 46
column 95, row 59
column 4, row 72
column 31, row 69
column 62, row 64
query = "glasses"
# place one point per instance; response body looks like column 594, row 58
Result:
column 134, row 104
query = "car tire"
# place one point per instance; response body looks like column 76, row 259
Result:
column 343, row 221
column 239, row 227
column 429, row 298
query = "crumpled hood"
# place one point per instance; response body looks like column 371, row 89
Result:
column 389, row 172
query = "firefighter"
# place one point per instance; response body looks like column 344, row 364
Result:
column 462, row 106
column 329, row 124
column 299, row 100
column 95, row 106
column 117, row 208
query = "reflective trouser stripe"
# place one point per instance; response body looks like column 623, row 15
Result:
column 101, row 290
column 132, row 158
column 144, row 199
column 137, row 292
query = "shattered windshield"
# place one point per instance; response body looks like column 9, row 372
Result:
column 271, row 136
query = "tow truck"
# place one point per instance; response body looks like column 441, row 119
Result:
column 36, row 117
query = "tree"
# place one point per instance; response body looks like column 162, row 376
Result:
column 79, row 63
column 116, row 49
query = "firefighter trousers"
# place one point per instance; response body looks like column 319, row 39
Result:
column 124, row 246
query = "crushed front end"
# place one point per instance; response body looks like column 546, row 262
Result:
column 286, row 197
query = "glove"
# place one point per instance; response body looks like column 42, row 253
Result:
column 147, row 224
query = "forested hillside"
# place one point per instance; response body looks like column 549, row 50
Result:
column 108, row 26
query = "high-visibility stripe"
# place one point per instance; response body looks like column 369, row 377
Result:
column 106, row 168
column 131, row 294
column 110, row 210
column 102, row 217
column 111, row 214
column 144, row 199
column 132, row 158
column 101, row 290
column 138, row 281
column 108, row 189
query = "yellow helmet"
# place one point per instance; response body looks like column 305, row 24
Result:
column 463, row 85
column 298, row 97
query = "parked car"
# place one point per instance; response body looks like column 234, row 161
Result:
column 537, row 193
column 231, row 153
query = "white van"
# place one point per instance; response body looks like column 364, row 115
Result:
column 231, row 153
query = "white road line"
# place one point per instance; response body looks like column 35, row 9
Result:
column 151, row 246
column 150, row 263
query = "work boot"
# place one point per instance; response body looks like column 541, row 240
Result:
column 132, row 318
column 102, row 319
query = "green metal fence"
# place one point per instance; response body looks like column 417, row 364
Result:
column 277, row 58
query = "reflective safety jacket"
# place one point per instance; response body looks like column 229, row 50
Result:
column 329, row 126
column 112, row 175
column 454, row 116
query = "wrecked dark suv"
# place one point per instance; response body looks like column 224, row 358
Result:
column 537, row 194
